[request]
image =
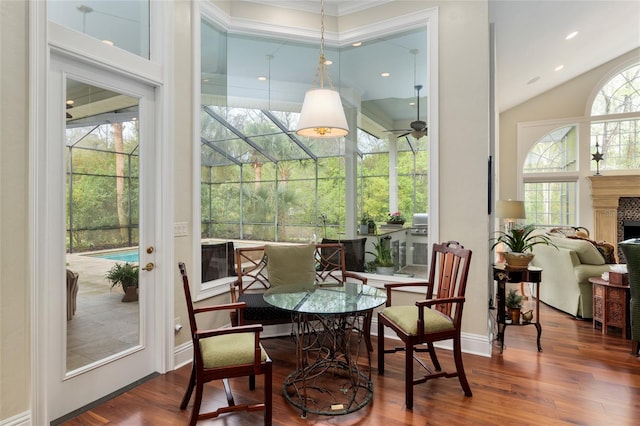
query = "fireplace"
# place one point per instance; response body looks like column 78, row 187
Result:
column 631, row 229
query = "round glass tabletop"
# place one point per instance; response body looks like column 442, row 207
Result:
column 318, row 299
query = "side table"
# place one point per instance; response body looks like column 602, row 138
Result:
column 611, row 306
column 503, row 274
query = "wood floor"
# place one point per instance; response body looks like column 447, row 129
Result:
column 580, row 378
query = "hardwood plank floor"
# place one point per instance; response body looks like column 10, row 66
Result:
column 581, row 378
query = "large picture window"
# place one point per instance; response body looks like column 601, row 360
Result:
column 260, row 181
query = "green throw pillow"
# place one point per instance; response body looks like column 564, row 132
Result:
column 290, row 265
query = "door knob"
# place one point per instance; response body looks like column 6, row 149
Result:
column 149, row 267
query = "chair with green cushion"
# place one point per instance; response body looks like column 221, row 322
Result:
column 224, row 353
column 436, row 318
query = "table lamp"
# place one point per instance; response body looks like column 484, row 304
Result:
column 510, row 210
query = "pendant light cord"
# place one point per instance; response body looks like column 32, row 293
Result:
column 321, row 70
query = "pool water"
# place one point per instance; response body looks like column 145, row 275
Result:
column 130, row 256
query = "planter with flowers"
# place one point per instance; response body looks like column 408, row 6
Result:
column 395, row 219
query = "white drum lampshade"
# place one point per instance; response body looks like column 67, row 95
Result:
column 322, row 115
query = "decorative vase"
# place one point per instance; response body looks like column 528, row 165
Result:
column 527, row 316
column 514, row 314
column 364, row 229
column 518, row 260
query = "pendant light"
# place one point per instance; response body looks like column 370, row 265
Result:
column 322, row 115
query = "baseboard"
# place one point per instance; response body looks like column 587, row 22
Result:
column 22, row 419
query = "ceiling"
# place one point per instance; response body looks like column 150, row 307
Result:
column 530, row 42
column 530, row 38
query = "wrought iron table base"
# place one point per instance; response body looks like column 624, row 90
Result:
column 328, row 380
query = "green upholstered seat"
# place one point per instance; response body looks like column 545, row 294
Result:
column 229, row 350
column 406, row 317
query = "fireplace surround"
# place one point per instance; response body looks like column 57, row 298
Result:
column 616, row 200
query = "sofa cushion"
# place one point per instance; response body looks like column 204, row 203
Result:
column 289, row 265
column 587, row 252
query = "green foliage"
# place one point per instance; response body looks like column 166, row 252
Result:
column 513, row 299
column 383, row 254
column 520, row 240
column 123, row 274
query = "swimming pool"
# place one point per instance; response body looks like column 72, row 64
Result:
column 130, row 255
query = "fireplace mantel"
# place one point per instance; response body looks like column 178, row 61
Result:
column 605, row 195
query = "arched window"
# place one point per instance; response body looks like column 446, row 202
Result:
column 615, row 122
column 550, row 179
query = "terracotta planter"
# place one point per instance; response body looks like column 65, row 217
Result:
column 130, row 294
column 514, row 314
column 518, row 260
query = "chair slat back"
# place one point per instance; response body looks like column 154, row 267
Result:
column 449, row 270
column 251, row 268
column 330, row 262
column 192, row 315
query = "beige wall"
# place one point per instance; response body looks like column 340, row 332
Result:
column 463, row 123
column 14, row 272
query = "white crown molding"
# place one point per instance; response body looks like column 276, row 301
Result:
column 332, row 7
column 376, row 29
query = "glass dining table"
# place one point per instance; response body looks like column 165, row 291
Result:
column 328, row 325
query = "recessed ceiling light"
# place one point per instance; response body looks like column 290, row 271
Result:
column 328, row 62
column 357, row 44
column 385, row 74
column 262, row 78
column 533, row 80
column 571, row 35
column 412, row 103
column 559, row 67
column 109, row 42
column 70, row 102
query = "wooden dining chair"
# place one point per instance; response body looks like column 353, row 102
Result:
column 224, row 353
column 436, row 318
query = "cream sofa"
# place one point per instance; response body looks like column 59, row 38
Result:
column 565, row 274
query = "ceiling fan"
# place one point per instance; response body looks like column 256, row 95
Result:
column 418, row 128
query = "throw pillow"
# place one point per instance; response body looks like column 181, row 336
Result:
column 605, row 249
column 290, row 265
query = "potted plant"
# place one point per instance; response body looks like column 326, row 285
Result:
column 520, row 241
column 365, row 224
column 396, row 219
column 513, row 302
column 383, row 262
column 126, row 276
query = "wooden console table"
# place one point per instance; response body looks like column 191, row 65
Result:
column 503, row 274
column 611, row 306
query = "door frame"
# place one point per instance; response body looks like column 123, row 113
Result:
column 48, row 37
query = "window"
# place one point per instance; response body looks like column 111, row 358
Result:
column 123, row 24
column 550, row 178
column 260, row 181
column 615, row 125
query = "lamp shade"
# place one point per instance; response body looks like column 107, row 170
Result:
column 322, row 115
column 510, row 209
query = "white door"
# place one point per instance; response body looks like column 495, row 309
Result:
column 101, row 191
